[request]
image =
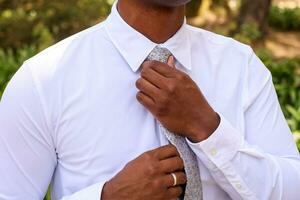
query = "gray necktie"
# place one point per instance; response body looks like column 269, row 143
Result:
column 193, row 190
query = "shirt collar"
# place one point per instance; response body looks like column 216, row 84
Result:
column 135, row 47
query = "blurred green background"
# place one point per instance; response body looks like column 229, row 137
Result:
column 272, row 28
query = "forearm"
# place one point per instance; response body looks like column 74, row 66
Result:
column 250, row 177
column 246, row 172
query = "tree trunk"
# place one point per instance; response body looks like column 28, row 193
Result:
column 254, row 11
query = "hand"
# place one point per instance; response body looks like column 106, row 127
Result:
column 176, row 101
column 148, row 177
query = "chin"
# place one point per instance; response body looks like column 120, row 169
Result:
column 169, row 3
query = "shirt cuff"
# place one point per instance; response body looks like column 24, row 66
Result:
column 92, row 192
column 221, row 146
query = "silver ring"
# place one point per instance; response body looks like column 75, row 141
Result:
column 174, row 178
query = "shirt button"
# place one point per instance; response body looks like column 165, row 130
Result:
column 238, row 186
column 213, row 152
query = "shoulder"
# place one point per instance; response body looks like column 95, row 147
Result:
column 216, row 42
column 46, row 63
column 49, row 69
column 233, row 61
column 227, row 54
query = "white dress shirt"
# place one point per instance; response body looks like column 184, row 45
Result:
column 70, row 116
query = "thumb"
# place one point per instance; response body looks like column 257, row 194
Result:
column 171, row 61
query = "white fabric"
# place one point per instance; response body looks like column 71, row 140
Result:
column 70, row 116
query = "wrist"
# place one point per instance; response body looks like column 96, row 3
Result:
column 202, row 129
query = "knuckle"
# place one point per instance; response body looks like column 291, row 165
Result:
column 182, row 177
column 181, row 163
column 152, row 169
column 155, row 155
column 152, row 164
column 128, row 165
column 148, row 155
column 171, row 88
column 155, row 64
column 182, row 77
column 146, row 65
column 144, row 71
column 164, row 100
column 174, row 149
column 157, row 184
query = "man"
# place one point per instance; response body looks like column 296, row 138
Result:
column 91, row 115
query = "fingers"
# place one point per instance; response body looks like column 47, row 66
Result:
column 180, row 179
column 153, row 77
column 174, row 192
column 165, row 152
column 172, row 164
column 147, row 88
column 161, row 68
column 145, row 100
column 171, row 61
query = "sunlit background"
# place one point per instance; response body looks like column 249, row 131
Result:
column 272, row 28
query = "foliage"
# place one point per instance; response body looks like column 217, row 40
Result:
column 42, row 22
column 285, row 18
column 193, row 7
column 248, row 33
column 10, row 62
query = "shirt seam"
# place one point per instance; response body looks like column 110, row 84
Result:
column 42, row 103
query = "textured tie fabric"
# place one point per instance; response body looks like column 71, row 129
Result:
column 193, row 190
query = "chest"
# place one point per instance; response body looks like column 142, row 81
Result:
column 100, row 124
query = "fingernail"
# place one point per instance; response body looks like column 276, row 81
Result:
column 171, row 61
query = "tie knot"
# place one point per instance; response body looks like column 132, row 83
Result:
column 159, row 54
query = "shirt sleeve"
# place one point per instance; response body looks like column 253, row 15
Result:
column 262, row 161
column 27, row 154
column 27, row 151
column 92, row 192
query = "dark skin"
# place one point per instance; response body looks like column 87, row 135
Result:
column 172, row 97
column 147, row 17
column 148, row 177
column 176, row 101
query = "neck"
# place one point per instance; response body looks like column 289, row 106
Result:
column 155, row 22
